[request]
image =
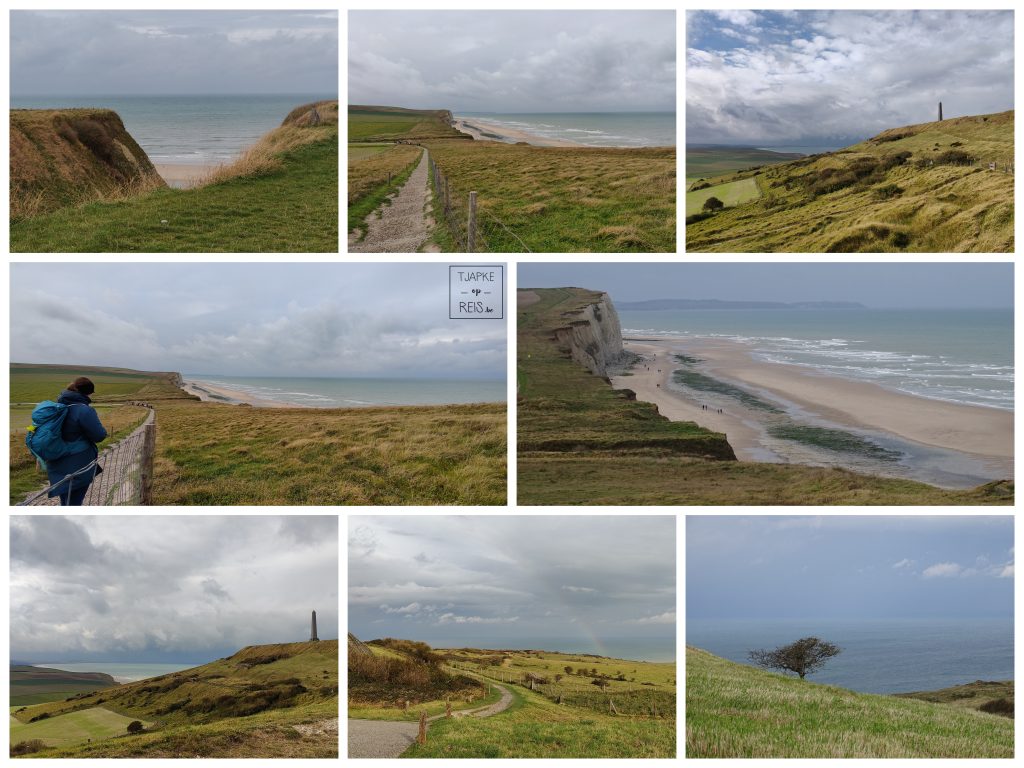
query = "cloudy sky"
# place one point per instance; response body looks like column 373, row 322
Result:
column 838, row 77
column 877, row 285
column 847, row 567
column 185, row 589
column 513, row 61
column 585, row 584
column 386, row 320
column 65, row 53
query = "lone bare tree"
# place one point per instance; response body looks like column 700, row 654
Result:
column 805, row 656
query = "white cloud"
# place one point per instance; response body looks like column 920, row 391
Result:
column 940, row 570
column 1006, row 572
column 451, row 618
column 411, row 608
column 904, row 563
column 739, row 18
column 578, row 589
column 668, row 617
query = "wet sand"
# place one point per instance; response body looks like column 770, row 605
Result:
column 986, row 433
column 210, row 393
column 476, row 127
column 183, row 176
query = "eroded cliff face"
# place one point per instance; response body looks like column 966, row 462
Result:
column 593, row 336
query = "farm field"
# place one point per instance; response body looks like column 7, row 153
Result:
column 733, row 710
column 451, row 454
column 705, row 162
column 731, row 193
column 73, row 728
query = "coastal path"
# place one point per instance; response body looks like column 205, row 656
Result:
column 390, row 738
column 403, row 225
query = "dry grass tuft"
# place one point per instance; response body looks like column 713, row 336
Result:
column 264, row 156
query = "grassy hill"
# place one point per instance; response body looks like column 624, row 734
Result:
column 213, row 453
column 561, row 718
column 705, row 162
column 994, row 697
column 734, row 710
column 919, row 188
column 582, row 442
column 37, row 685
column 281, row 195
column 264, row 701
column 373, row 124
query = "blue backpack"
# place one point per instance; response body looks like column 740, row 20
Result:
column 44, row 434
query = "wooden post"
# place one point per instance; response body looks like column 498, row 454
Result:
column 389, row 178
column 471, row 225
column 422, row 737
column 146, row 464
column 447, row 192
column 611, row 706
column 447, row 709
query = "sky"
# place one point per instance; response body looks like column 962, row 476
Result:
column 585, row 583
column 513, row 61
column 877, row 285
column 848, row 567
column 386, row 320
column 835, row 78
column 152, row 53
column 184, row 589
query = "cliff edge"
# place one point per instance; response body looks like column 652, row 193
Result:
column 594, row 340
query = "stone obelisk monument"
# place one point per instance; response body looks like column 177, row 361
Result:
column 312, row 630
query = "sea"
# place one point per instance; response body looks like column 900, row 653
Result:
column 123, row 673
column 878, row 656
column 962, row 355
column 186, row 130
column 354, row 393
column 595, row 129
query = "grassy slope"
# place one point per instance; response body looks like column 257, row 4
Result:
column 581, row 442
column 73, row 728
column 209, row 453
column 290, row 209
column 708, row 162
column 36, row 685
column 737, row 711
column 731, row 193
column 968, row 696
column 371, row 123
column 934, row 208
column 558, row 199
column 368, row 184
column 205, row 711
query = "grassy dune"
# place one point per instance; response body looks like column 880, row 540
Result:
column 907, row 189
column 210, row 453
column 264, row 701
column 281, row 195
column 558, row 199
column 582, row 442
column 737, row 711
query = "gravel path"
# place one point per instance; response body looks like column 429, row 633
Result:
column 388, row 738
column 402, row 226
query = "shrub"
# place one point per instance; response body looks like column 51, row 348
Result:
column 1002, row 707
column 27, row 747
column 892, row 136
column 135, row 726
column 955, row 157
column 713, row 204
column 888, row 192
column 893, row 160
column 693, row 218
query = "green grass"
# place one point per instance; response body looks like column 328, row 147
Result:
column 368, row 186
column 866, row 199
column 734, row 710
column 367, row 123
column 94, row 723
column 358, row 152
column 731, row 193
column 535, row 727
column 833, row 440
column 557, row 199
column 582, row 442
column 291, row 209
column 709, row 162
column 703, row 383
column 976, row 695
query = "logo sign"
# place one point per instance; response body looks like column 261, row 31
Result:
column 476, row 292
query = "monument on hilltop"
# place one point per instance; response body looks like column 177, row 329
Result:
column 312, row 630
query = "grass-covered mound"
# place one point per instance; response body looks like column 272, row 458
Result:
column 582, row 442
column 263, row 701
column 69, row 156
column 217, row 454
column 923, row 188
column 280, row 195
column 733, row 710
column 37, row 685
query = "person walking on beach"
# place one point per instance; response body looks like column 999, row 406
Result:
column 81, row 423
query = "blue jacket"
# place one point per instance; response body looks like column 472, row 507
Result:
column 81, row 422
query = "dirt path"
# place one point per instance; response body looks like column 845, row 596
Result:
column 402, row 226
column 389, row 738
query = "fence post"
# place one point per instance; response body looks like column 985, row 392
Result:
column 389, row 178
column 471, row 225
column 146, row 464
column 446, row 193
column 422, row 737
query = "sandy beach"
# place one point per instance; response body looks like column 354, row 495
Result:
column 210, row 393
column 511, row 135
column 183, row 176
column 983, row 433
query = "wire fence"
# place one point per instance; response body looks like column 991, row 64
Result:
column 121, row 475
column 473, row 228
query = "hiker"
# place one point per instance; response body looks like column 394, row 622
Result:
column 81, row 423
